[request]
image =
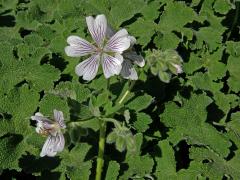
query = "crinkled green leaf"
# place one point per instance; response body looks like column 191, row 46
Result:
column 11, row 148
column 215, row 166
column 140, row 102
column 51, row 102
column 112, row 172
column 188, row 122
column 19, row 105
column 75, row 167
column 232, row 66
column 142, row 122
column 138, row 165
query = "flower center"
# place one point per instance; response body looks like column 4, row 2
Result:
column 99, row 50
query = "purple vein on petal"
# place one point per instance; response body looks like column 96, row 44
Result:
column 88, row 68
column 111, row 65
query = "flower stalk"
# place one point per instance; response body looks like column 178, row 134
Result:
column 101, row 143
column 101, row 146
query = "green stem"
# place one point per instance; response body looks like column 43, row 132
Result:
column 101, row 143
column 101, row 146
column 126, row 93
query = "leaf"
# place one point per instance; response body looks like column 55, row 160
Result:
column 51, row 102
column 142, row 122
column 113, row 170
column 166, row 164
column 233, row 48
column 102, row 99
column 233, row 63
column 167, row 40
column 15, row 71
column 143, row 30
column 203, row 81
column 212, row 34
column 11, row 148
column 127, row 11
column 188, row 122
column 75, row 91
column 73, row 166
column 138, row 165
column 233, row 128
column 140, row 102
column 19, row 104
column 168, row 24
column 222, row 6
column 183, row 13
column 215, row 166
column 37, row 76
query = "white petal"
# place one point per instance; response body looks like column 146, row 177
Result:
column 97, row 27
column 38, row 114
column 109, row 32
column 78, row 47
column 39, row 117
column 44, row 124
column 132, row 40
column 52, row 145
column 38, row 129
column 135, row 58
column 128, row 71
column 119, row 42
column 88, row 68
column 111, row 65
column 58, row 116
column 48, row 147
column 60, row 145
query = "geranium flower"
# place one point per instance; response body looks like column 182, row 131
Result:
column 55, row 141
column 108, row 53
column 130, row 57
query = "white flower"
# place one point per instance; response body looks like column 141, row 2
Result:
column 55, row 141
column 108, row 53
column 130, row 57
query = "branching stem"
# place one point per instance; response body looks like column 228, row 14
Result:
column 102, row 134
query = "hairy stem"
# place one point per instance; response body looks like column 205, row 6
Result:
column 101, row 146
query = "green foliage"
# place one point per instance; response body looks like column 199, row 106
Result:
column 112, row 172
column 12, row 148
column 166, row 125
column 139, row 103
column 188, row 122
column 72, row 166
column 139, row 166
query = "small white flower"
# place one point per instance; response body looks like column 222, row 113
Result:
column 130, row 57
column 178, row 68
column 55, row 141
column 108, row 53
